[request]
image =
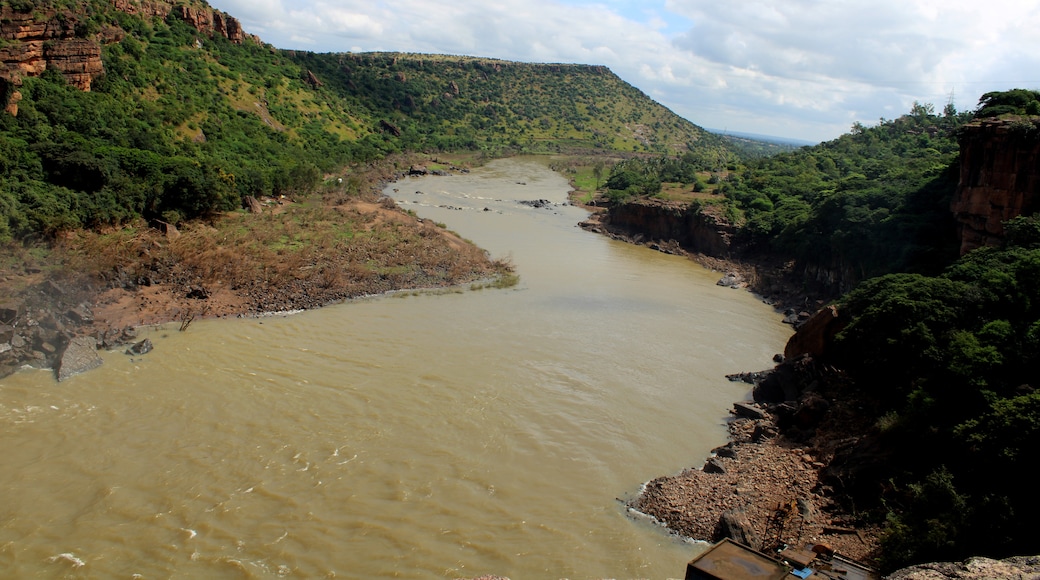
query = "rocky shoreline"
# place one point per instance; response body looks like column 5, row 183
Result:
column 761, row 489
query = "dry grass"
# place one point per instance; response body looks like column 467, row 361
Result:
column 304, row 256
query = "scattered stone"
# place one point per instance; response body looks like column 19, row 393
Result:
column 79, row 356
column 536, row 203
column 81, row 314
column 1021, row 567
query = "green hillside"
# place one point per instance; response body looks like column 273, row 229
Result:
column 184, row 123
column 451, row 102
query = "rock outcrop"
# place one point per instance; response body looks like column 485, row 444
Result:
column 63, row 40
column 999, row 180
column 694, row 229
column 213, row 23
column 45, row 39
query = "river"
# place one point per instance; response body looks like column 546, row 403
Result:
column 420, row 435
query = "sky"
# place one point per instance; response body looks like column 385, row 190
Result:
column 799, row 69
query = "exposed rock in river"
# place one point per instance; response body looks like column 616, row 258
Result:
column 80, row 356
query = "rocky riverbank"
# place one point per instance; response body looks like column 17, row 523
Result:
column 761, row 489
column 774, row 282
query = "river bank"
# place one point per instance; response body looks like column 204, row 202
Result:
column 777, row 482
column 344, row 242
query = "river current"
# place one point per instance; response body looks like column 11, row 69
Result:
column 418, row 435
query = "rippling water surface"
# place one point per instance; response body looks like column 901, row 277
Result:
column 416, row 436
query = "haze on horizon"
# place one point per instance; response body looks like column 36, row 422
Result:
column 799, row 69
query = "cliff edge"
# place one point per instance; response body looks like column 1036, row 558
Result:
column 999, row 178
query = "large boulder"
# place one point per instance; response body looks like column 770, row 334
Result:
column 80, row 356
column 735, row 525
column 815, row 335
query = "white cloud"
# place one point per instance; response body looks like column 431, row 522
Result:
column 797, row 68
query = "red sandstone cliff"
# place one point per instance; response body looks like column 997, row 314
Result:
column 49, row 39
column 1000, row 178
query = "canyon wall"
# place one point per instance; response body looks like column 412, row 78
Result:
column 999, row 180
column 42, row 39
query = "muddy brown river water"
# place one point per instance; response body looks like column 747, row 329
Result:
column 438, row 435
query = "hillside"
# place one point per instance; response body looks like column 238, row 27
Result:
column 125, row 108
column 454, row 102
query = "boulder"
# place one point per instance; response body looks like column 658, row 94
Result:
column 735, row 525
column 254, row 205
column 814, row 336
column 713, row 465
column 732, row 280
column 811, row 411
column 748, row 411
column 80, row 356
column 10, row 310
column 80, row 314
column 143, row 347
column 726, row 450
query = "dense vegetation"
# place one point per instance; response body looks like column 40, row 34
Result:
column 951, row 362
column 873, row 201
column 449, row 102
column 171, row 131
column 182, row 125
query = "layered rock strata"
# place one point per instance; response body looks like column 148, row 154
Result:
column 47, row 39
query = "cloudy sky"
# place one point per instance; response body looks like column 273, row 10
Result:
column 803, row 69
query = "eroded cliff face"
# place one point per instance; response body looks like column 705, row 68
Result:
column 1000, row 178
column 40, row 40
column 44, row 39
column 695, row 230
